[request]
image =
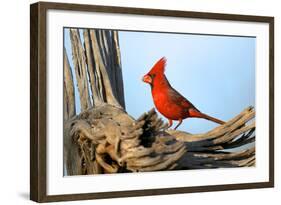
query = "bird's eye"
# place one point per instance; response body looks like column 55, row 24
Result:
column 152, row 76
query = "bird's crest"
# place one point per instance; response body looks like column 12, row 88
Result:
column 159, row 67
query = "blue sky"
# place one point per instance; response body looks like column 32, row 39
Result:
column 215, row 73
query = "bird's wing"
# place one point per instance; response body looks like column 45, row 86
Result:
column 178, row 99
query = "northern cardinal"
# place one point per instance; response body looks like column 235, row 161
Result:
column 167, row 100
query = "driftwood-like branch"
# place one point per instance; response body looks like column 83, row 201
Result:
column 229, row 145
column 98, row 74
column 79, row 61
column 108, row 140
column 68, row 89
column 104, row 67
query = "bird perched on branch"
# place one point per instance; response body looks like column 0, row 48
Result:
column 169, row 102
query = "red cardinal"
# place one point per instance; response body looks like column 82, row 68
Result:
column 167, row 100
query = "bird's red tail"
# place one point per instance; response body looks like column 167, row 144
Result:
column 197, row 113
column 211, row 118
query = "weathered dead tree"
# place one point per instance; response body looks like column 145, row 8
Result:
column 107, row 136
column 68, row 90
column 79, row 61
column 103, row 138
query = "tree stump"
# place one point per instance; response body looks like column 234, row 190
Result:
column 105, row 139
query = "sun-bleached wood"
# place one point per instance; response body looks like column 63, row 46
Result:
column 111, row 141
column 80, row 67
column 68, row 89
column 104, row 67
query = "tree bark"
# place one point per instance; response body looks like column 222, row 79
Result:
column 79, row 61
column 68, row 89
column 107, row 136
column 104, row 67
column 97, row 70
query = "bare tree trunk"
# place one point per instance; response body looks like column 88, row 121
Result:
column 68, row 89
column 104, row 67
column 70, row 147
column 97, row 69
column 103, row 138
column 80, row 66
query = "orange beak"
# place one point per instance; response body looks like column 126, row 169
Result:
column 147, row 79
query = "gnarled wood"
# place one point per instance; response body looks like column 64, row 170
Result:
column 68, row 89
column 122, row 144
column 79, row 61
column 104, row 67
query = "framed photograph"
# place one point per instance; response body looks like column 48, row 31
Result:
column 134, row 102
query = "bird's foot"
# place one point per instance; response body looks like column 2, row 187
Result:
column 170, row 124
column 180, row 121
